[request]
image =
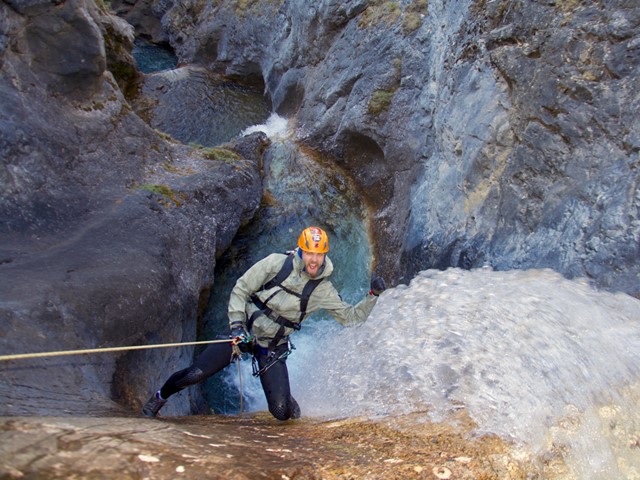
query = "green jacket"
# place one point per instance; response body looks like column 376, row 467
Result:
column 325, row 296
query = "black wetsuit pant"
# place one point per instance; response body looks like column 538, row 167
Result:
column 275, row 379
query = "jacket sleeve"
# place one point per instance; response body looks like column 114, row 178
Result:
column 249, row 283
column 343, row 312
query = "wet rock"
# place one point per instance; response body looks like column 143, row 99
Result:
column 109, row 231
column 247, row 447
column 65, row 49
column 132, row 272
column 197, row 106
column 145, row 16
column 480, row 133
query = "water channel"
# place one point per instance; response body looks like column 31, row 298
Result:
column 300, row 188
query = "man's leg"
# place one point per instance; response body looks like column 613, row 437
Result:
column 214, row 358
column 275, row 383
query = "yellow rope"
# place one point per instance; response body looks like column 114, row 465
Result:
column 21, row 356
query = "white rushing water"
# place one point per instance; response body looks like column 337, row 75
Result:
column 535, row 358
column 276, row 128
column 547, row 363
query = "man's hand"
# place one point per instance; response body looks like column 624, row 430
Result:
column 377, row 285
column 238, row 335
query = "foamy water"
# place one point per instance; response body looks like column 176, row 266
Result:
column 276, row 128
column 539, row 360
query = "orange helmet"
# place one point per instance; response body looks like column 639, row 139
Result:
column 314, row 240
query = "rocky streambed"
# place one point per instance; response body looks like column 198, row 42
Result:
column 252, row 446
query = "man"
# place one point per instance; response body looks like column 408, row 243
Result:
column 267, row 304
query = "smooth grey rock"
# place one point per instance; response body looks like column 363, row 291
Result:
column 109, row 233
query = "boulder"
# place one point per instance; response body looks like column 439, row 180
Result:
column 109, row 231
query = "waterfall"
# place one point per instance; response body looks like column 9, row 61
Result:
column 547, row 363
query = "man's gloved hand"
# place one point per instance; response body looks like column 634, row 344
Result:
column 377, row 285
column 238, row 334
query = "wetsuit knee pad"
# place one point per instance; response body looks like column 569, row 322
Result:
column 191, row 376
column 280, row 410
column 285, row 410
column 295, row 408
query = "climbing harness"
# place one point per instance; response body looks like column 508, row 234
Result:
column 271, row 359
column 264, row 309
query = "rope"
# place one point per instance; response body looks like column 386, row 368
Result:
column 234, row 346
column 236, row 355
column 240, row 382
column 21, row 356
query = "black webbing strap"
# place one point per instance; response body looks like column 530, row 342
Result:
column 281, row 276
column 279, row 319
column 276, row 340
column 306, row 294
column 263, row 308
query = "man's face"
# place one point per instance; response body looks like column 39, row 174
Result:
column 312, row 262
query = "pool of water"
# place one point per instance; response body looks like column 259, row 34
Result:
column 153, row 58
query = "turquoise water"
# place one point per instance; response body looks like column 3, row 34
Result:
column 153, row 58
column 302, row 192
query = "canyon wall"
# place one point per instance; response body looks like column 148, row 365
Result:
column 479, row 132
column 109, row 231
column 501, row 133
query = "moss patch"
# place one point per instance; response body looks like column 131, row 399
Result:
column 412, row 16
column 380, row 12
column 221, row 154
column 120, row 62
column 169, row 197
column 380, row 101
column 567, row 6
column 243, row 7
column 384, row 12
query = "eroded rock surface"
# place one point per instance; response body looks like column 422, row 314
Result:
column 250, row 447
column 109, row 231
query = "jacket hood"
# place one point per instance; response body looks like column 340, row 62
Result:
column 298, row 265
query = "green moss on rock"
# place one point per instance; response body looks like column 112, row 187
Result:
column 380, row 101
column 168, row 196
column 219, row 153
